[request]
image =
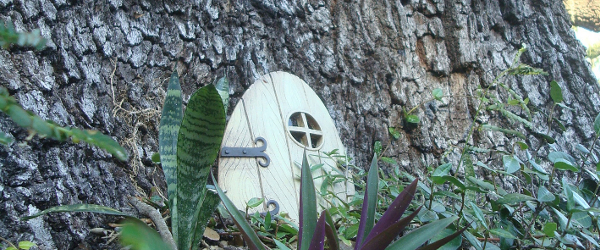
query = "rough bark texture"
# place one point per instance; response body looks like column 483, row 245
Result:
column 106, row 66
column 584, row 13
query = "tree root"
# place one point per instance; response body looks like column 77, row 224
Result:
column 158, row 220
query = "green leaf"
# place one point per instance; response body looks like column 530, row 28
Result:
column 377, row 147
column 522, row 145
column 222, row 86
column 514, row 198
column 207, row 208
column 308, row 207
column 549, row 229
column 331, row 232
column 544, row 195
column 555, row 92
column 389, row 160
column 198, row 142
column 479, row 214
column 280, row 245
column 442, row 170
column 437, row 94
column 394, row 133
column 239, row 219
column 367, row 216
column 580, row 200
column 25, row 245
column 417, row 237
column 412, row 119
column 170, row 121
column 481, row 183
column 255, row 202
column 597, row 125
column 511, row 164
column 78, row 208
column 156, row 158
column 442, row 179
column 139, row 236
column 502, row 233
column 563, row 164
column 4, row 139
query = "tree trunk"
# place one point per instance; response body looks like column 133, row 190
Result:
column 106, row 66
column 584, row 13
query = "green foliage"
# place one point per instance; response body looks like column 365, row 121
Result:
column 189, row 144
column 139, row 236
column 437, row 94
column 544, row 211
column 8, row 36
column 33, row 123
column 22, row 245
column 315, row 232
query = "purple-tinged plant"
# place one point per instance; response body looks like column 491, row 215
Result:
column 314, row 232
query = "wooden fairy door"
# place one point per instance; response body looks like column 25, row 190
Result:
column 278, row 118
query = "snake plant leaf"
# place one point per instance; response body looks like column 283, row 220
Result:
column 170, row 121
column 77, row 208
column 209, row 205
column 308, row 206
column 422, row 234
column 239, row 219
column 198, row 142
column 367, row 216
column 318, row 240
column 140, row 236
column 222, row 86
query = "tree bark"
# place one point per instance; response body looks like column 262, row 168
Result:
column 584, row 13
column 107, row 63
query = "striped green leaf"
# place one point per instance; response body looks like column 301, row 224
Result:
column 199, row 139
column 170, row 120
column 78, row 208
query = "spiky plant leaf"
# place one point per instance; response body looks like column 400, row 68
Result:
column 417, row 237
column 198, row 142
column 318, row 240
column 331, row 232
column 385, row 237
column 367, row 215
column 308, row 206
column 394, row 211
column 77, row 208
column 170, row 121
column 248, row 233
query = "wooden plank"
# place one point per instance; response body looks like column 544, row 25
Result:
column 265, row 121
column 239, row 176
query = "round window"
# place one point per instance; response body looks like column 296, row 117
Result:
column 305, row 130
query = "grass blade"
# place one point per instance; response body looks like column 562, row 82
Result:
column 78, row 208
column 198, row 143
column 367, row 216
column 248, row 233
column 170, row 121
column 308, row 206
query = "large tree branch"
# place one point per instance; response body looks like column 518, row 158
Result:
column 584, row 13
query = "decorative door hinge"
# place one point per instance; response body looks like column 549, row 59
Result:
column 249, row 152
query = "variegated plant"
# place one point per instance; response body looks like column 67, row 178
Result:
column 189, row 143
